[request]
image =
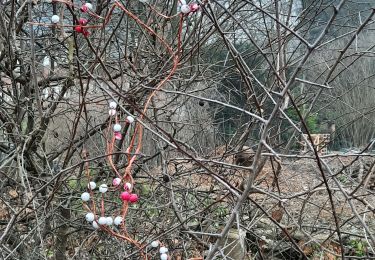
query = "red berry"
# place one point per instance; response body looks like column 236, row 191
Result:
column 85, row 33
column 78, row 29
column 84, row 8
column 125, row 196
column 82, row 21
column 133, row 198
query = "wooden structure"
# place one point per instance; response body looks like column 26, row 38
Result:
column 320, row 141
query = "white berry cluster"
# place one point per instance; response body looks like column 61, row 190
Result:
column 162, row 250
column 103, row 221
column 90, row 217
column 91, row 186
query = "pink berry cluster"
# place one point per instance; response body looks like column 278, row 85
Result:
column 126, row 195
column 131, row 197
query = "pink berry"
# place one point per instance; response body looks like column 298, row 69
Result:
column 82, row 21
column 125, row 196
column 133, row 198
column 116, row 181
column 118, row 136
column 84, row 8
column 194, row 7
column 127, row 186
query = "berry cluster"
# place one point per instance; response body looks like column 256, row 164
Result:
column 81, row 27
column 126, row 195
column 188, row 8
column 91, row 217
column 82, row 22
column 117, row 127
column 162, row 250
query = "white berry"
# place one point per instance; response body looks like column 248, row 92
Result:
column 91, row 185
column 112, row 105
column 85, row 196
column 102, row 221
column 109, row 221
column 130, row 119
column 118, row 220
column 55, row 18
column 163, row 250
column 112, row 112
column 185, row 9
column 154, row 243
column 46, row 62
column 89, row 6
column 103, row 188
column 95, row 225
column 117, row 127
column 90, row 217
column 163, row 257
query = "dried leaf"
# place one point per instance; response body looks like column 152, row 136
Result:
column 277, row 215
column 13, row 194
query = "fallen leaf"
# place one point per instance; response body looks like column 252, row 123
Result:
column 13, row 194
